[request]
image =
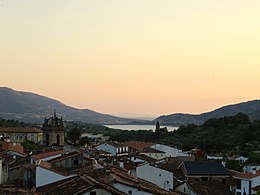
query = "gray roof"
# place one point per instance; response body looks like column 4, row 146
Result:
column 204, row 168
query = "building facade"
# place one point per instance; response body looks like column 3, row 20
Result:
column 53, row 131
column 20, row 134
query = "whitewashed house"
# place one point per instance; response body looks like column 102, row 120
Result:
column 220, row 158
column 116, row 149
column 241, row 159
column 186, row 188
column 153, row 153
column 156, row 175
column 46, row 156
column 246, row 182
column 42, row 174
column 251, row 168
column 169, row 151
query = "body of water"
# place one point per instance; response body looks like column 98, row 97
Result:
column 139, row 127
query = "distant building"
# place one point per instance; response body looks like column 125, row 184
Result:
column 7, row 145
column 153, row 153
column 137, row 146
column 161, row 177
column 114, row 148
column 53, row 131
column 20, row 134
column 204, row 171
column 247, row 183
column 169, row 151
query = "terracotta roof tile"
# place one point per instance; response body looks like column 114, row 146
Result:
column 247, row 175
column 20, row 130
column 48, row 154
column 138, row 145
column 64, row 156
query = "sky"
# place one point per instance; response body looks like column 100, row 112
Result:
column 133, row 57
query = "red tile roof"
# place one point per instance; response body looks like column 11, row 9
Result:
column 20, row 130
column 138, row 145
column 247, row 175
column 64, row 156
column 48, row 154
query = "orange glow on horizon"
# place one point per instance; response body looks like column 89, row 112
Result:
column 139, row 56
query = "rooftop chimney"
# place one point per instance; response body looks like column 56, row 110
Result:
column 254, row 171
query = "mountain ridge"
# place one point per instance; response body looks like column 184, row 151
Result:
column 251, row 108
column 31, row 107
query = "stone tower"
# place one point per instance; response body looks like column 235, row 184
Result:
column 53, row 131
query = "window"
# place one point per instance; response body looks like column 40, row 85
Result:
column 160, row 175
column 93, row 193
column 76, row 162
column 224, row 181
column 204, row 178
column 130, row 192
column 238, row 183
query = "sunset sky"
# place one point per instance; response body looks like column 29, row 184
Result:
column 147, row 57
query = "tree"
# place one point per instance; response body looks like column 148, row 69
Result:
column 74, row 135
column 157, row 126
column 28, row 145
column 234, row 165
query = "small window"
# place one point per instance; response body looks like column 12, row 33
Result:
column 224, row 181
column 93, row 193
column 76, row 162
column 238, row 183
column 130, row 192
column 160, row 174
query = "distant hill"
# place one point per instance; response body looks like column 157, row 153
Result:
column 251, row 108
column 31, row 107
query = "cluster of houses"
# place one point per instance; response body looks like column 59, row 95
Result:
column 111, row 168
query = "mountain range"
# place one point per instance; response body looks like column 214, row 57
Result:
column 251, row 108
column 31, row 107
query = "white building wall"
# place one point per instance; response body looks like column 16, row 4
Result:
column 157, row 156
column 1, row 171
column 184, row 188
column 44, row 177
column 256, row 181
column 170, row 152
column 34, row 161
column 107, row 148
column 245, row 185
column 126, row 189
column 155, row 175
column 250, row 168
